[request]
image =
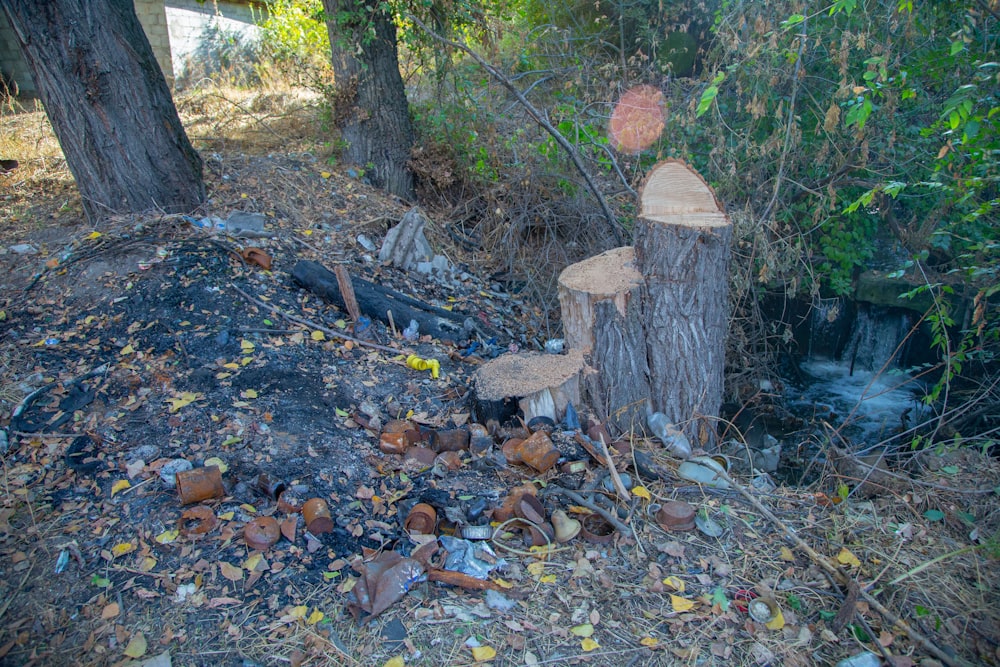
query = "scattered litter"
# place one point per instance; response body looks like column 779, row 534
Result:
column 169, row 470
column 674, row 440
column 707, row 525
column 199, row 484
column 707, row 470
column 476, row 559
column 499, row 602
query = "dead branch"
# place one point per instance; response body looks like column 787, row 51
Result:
column 539, row 118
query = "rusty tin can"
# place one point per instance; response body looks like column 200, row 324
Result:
column 200, row 484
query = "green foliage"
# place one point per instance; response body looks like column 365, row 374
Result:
column 296, row 43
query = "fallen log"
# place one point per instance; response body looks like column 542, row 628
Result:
column 377, row 302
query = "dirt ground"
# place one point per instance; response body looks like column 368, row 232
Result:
column 149, row 339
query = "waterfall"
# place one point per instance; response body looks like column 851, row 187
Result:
column 875, row 339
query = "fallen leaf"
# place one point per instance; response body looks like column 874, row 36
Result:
column 122, row 548
column 315, row 617
column 642, row 492
column 845, row 557
column 249, row 393
column 547, row 579
column 167, row 536
column 649, row 642
column 675, row 583
column 317, row 335
column 299, row 611
column 589, row 644
column 147, row 564
column 247, row 346
column 483, row 653
column 681, row 604
column 128, row 349
column 120, row 485
column 777, row 622
column 110, row 611
column 787, row 555
column 136, row 647
column 230, row 572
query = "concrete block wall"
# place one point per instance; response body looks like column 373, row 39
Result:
column 12, row 66
column 175, row 29
column 153, row 17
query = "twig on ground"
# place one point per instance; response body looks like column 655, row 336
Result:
column 583, row 502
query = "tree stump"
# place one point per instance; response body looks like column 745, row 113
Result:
column 655, row 328
column 599, row 299
column 531, row 383
column 682, row 243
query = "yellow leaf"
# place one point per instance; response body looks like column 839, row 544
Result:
column 147, row 564
column 122, row 548
column 227, row 516
column 128, row 349
column 398, row 661
column 675, row 583
column 536, row 568
column 167, row 536
column 223, row 375
column 649, row 642
column 588, row 644
column 136, row 647
column 217, row 462
column 307, row 232
column 583, row 630
column 845, row 557
column 325, row 174
column 776, row 623
column 93, row 235
column 247, row 346
column 642, row 492
column 249, row 393
column 681, row 604
column 230, row 571
column 247, row 507
column 120, row 485
column 787, row 555
column 483, row 653
column 253, row 561
column 245, row 360
column 547, row 579
column 317, row 335
column 315, row 617
column 299, row 611
column 231, row 364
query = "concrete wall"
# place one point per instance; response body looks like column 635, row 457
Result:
column 178, row 30
column 13, row 69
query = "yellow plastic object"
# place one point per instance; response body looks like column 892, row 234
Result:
column 418, row 364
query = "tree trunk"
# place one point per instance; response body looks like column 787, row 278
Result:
column 654, row 326
column 370, row 108
column 682, row 240
column 109, row 105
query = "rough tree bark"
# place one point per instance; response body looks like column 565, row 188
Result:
column 657, row 324
column 682, row 240
column 370, row 107
column 109, row 105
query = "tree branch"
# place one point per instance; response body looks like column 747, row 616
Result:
column 616, row 229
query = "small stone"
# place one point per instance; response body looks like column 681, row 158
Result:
column 23, row 249
column 168, row 473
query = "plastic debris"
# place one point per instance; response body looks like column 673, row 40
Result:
column 168, row 473
column 705, row 470
column 62, row 561
column 863, row 659
column 366, row 243
column 555, row 346
column 418, row 364
column 497, row 601
column 571, row 420
column 476, row 559
column 674, row 440
column 707, row 525
column 412, row 332
column 384, row 581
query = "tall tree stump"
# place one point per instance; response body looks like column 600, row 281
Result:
column 682, row 244
column 654, row 328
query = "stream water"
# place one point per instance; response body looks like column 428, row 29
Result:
column 851, row 376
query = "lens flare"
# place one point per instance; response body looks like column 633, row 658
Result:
column 637, row 120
